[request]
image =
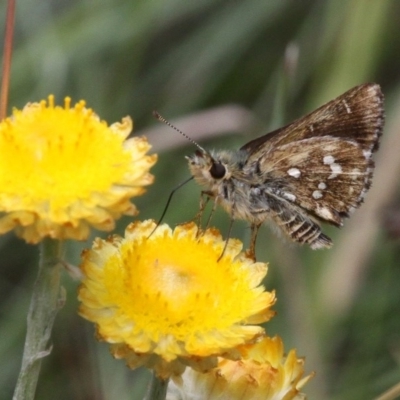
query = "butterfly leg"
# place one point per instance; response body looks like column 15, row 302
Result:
column 211, row 214
column 254, row 231
column 204, row 199
column 227, row 239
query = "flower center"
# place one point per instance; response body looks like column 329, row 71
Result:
column 54, row 156
column 184, row 289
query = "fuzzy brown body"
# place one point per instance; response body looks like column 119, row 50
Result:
column 317, row 168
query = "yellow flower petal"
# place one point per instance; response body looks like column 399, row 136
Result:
column 63, row 170
column 263, row 373
column 166, row 300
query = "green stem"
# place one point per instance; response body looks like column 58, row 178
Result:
column 47, row 299
column 157, row 388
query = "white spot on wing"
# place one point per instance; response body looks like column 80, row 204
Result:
column 367, row 154
column 336, row 170
column 295, row 172
column 289, row 196
column 322, row 186
column 328, row 160
column 316, row 194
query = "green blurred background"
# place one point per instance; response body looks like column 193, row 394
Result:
column 224, row 72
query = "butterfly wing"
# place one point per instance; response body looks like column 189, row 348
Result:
column 329, row 178
column 320, row 167
column 356, row 114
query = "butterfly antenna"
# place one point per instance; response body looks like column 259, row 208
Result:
column 162, row 119
column 168, row 202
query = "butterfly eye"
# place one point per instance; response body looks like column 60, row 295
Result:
column 217, row 170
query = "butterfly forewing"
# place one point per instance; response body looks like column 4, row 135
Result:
column 356, row 114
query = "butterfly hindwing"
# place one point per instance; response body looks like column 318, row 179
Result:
column 328, row 179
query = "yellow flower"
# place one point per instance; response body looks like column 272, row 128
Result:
column 63, row 170
column 165, row 301
column 263, row 373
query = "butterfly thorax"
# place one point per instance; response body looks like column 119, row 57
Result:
column 222, row 176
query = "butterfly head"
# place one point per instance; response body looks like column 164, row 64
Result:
column 207, row 168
